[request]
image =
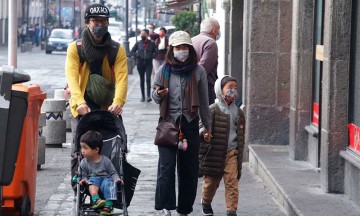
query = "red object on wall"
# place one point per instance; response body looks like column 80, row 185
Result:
column 315, row 119
column 354, row 137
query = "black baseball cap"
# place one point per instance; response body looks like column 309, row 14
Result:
column 96, row 10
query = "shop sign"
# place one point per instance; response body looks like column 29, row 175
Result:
column 354, row 137
column 315, row 119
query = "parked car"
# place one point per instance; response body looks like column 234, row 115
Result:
column 59, row 40
column 115, row 33
column 121, row 30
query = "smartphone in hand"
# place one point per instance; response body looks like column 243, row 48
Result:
column 161, row 87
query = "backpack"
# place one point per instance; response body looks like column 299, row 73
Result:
column 112, row 53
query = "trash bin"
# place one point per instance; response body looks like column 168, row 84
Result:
column 13, row 107
column 20, row 194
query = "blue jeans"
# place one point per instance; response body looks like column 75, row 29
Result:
column 106, row 186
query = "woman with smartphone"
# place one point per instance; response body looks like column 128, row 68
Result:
column 181, row 88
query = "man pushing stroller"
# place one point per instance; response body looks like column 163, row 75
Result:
column 98, row 172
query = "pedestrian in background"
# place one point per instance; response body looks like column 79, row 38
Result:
column 32, row 34
column 96, row 46
column 162, row 44
column 24, row 32
column 180, row 88
column 223, row 156
column 207, row 51
column 37, row 35
column 144, row 52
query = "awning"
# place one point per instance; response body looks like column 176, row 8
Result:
column 179, row 3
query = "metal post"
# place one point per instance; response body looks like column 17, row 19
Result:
column 200, row 13
column 13, row 33
column 74, row 24
column 126, row 42
column 60, row 26
column 136, row 18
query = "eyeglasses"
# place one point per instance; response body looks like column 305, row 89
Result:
column 99, row 21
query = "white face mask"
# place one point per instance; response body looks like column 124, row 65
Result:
column 218, row 36
column 181, row 55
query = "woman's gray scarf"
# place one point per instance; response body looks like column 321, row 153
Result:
column 94, row 53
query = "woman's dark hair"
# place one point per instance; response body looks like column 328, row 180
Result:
column 93, row 139
column 192, row 59
column 163, row 29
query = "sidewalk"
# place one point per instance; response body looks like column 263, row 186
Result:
column 296, row 185
column 140, row 121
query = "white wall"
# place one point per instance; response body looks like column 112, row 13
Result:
column 219, row 14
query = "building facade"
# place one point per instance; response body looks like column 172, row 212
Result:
column 298, row 61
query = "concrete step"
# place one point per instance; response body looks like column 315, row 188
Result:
column 296, row 184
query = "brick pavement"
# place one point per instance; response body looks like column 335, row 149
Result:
column 140, row 122
column 54, row 196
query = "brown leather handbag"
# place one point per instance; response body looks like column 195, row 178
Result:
column 167, row 134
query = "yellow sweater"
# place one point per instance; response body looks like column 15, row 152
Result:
column 77, row 79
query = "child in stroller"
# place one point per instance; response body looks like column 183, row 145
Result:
column 114, row 147
column 98, row 172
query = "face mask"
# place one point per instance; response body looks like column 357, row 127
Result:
column 218, row 36
column 230, row 94
column 143, row 38
column 151, row 31
column 100, row 31
column 181, row 55
column 161, row 34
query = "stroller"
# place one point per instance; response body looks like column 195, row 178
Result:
column 115, row 148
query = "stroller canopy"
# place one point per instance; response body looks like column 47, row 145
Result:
column 106, row 123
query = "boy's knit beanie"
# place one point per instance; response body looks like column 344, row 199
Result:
column 227, row 79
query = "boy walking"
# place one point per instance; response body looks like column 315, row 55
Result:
column 98, row 172
column 222, row 157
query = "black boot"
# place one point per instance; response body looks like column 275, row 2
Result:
column 148, row 98
column 142, row 98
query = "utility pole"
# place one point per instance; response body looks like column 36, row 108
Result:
column 74, row 23
column 13, row 32
column 136, row 18
column 126, row 42
column 60, row 14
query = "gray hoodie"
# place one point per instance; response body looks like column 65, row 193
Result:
column 231, row 110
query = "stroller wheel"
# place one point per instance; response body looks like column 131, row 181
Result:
column 25, row 206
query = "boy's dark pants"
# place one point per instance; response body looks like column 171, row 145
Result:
column 187, row 170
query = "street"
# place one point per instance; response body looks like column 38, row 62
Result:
column 53, row 193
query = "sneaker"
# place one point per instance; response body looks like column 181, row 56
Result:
column 164, row 212
column 207, row 209
column 99, row 203
column 231, row 213
column 107, row 210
